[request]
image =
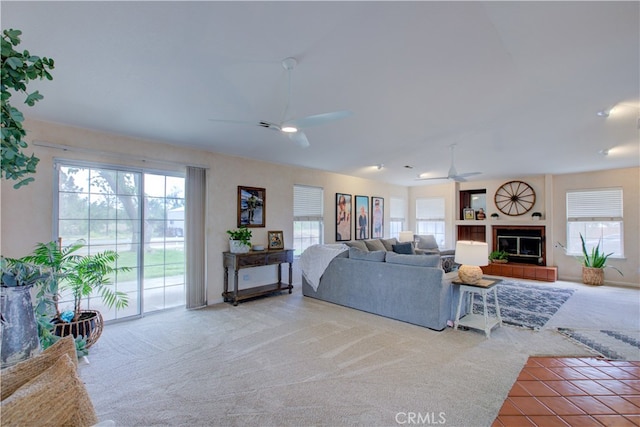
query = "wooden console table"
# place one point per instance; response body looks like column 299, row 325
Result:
column 255, row 259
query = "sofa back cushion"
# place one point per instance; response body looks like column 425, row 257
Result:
column 426, row 241
column 403, row 248
column 417, row 260
column 388, row 243
column 357, row 244
column 375, row 245
column 355, row 253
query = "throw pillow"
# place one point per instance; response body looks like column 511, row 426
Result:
column 19, row 374
column 59, row 396
column 377, row 256
column 388, row 243
column 427, row 242
column 375, row 245
column 357, row 244
column 403, row 248
column 416, row 260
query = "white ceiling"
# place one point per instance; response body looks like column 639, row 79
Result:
column 516, row 85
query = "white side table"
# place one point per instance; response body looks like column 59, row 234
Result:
column 483, row 322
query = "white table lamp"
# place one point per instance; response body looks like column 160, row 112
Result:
column 471, row 255
column 405, row 236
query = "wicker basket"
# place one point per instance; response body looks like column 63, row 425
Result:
column 592, row 276
column 89, row 325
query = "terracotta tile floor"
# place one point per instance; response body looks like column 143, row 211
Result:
column 573, row 391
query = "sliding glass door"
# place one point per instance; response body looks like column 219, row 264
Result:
column 138, row 214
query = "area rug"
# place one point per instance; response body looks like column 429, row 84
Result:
column 524, row 305
column 615, row 345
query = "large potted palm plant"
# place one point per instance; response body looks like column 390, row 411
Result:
column 80, row 276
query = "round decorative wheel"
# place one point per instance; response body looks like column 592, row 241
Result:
column 515, row 198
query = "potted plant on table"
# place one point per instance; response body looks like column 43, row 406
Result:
column 500, row 257
column 593, row 264
column 80, row 276
column 239, row 240
column 19, row 327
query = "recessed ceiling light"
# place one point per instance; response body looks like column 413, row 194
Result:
column 380, row 166
column 604, row 152
column 603, row 113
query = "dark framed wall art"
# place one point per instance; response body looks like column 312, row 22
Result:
column 343, row 217
column 252, row 206
column 362, row 217
column 377, row 217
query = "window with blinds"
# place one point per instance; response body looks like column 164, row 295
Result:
column 430, row 218
column 308, row 217
column 597, row 215
column 396, row 216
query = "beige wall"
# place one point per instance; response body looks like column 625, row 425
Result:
column 550, row 201
column 27, row 213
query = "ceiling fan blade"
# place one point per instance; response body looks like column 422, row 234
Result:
column 299, row 138
column 468, row 174
column 437, row 177
column 237, row 122
column 318, row 119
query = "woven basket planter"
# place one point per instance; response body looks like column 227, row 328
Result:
column 592, row 276
column 89, row 325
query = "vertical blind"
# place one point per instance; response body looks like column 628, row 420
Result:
column 595, row 205
column 307, row 203
column 430, row 209
column 196, row 201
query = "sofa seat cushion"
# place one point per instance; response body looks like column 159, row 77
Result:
column 403, row 248
column 417, row 260
column 376, row 256
column 375, row 245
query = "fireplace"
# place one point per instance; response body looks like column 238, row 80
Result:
column 524, row 244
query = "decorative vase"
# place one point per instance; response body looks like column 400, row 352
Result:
column 592, row 276
column 19, row 328
column 237, row 247
column 89, row 325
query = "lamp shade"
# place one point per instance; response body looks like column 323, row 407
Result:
column 469, row 252
column 405, row 236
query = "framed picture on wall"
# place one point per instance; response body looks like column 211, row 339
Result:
column 343, row 217
column 252, row 206
column 362, row 217
column 377, row 217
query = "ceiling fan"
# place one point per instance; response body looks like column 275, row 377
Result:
column 293, row 128
column 453, row 173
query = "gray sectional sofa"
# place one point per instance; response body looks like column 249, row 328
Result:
column 406, row 287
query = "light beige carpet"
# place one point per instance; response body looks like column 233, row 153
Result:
column 289, row 360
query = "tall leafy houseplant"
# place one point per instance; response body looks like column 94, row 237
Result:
column 18, row 69
column 81, row 276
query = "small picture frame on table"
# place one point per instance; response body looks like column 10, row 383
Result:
column 276, row 240
column 469, row 213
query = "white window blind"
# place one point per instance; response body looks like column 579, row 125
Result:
column 430, row 209
column 595, row 205
column 307, row 202
column 396, row 208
